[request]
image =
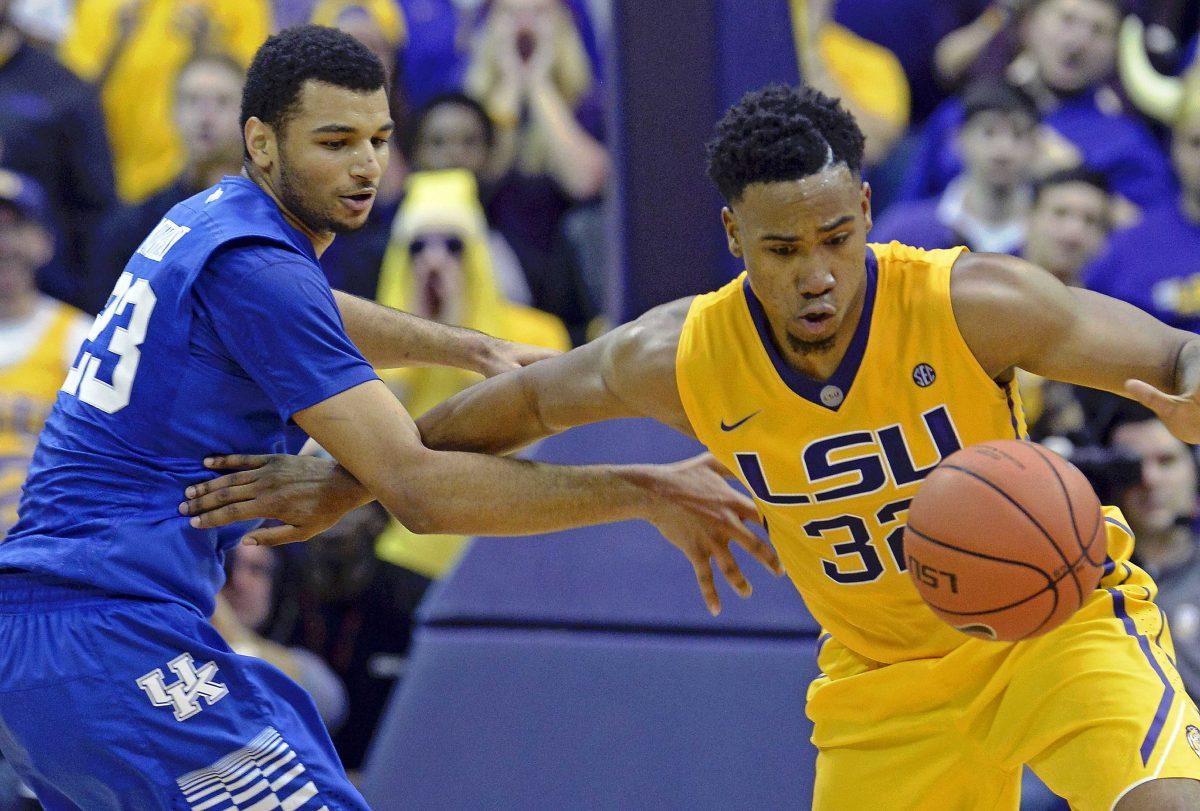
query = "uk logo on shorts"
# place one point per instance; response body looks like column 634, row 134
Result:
column 1193, row 738
column 183, row 695
column 264, row 774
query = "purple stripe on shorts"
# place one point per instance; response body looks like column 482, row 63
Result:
column 1117, row 523
column 821, row 640
column 1164, row 706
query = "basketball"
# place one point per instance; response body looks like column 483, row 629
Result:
column 1005, row 540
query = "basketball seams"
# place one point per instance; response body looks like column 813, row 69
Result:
column 973, row 553
column 1049, row 539
column 1050, row 583
column 1071, row 506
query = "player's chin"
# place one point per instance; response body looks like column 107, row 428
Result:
column 344, row 223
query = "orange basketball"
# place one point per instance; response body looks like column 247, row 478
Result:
column 1005, row 540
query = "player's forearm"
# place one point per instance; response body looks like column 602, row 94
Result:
column 391, row 339
column 496, row 416
column 470, row 494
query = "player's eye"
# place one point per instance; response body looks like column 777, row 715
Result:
column 838, row 239
column 333, row 145
column 379, row 142
column 782, row 250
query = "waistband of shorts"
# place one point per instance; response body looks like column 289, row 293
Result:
column 22, row 591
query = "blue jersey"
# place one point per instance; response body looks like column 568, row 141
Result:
column 221, row 327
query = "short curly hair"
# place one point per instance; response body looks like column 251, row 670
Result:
column 293, row 56
column 781, row 133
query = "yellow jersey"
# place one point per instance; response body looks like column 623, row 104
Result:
column 34, row 360
column 833, row 464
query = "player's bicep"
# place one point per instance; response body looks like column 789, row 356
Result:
column 1014, row 314
column 640, row 366
column 629, row 372
column 1105, row 342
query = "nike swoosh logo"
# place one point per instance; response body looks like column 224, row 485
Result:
column 740, row 422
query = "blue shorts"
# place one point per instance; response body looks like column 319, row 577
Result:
column 110, row 703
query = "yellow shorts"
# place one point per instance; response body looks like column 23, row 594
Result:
column 1095, row 708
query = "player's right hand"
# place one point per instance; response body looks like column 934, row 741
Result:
column 306, row 493
column 701, row 514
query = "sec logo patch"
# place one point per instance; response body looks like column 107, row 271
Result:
column 1193, row 738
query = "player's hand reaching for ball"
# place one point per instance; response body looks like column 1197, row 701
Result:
column 307, row 494
column 1179, row 412
column 700, row 514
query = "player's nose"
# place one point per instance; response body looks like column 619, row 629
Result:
column 815, row 282
column 367, row 166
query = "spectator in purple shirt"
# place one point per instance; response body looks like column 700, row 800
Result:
column 1156, row 264
column 986, row 207
column 1069, row 58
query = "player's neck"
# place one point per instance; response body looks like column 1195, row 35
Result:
column 320, row 240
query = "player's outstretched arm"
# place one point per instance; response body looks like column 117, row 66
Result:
column 1014, row 314
column 390, row 339
column 429, row 491
column 629, row 372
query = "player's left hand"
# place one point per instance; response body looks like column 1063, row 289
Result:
column 307, row 494
column 499, row 356
column 1179, row 412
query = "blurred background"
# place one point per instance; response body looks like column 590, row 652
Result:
column 548, row 182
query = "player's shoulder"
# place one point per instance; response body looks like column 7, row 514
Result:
column 897, row 257
column 652, row 339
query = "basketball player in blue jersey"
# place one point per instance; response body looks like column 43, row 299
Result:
column 115, row 691
column 831, row 377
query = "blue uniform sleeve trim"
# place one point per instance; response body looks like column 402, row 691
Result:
column 333, row 387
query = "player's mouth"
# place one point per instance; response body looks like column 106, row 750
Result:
column 816, row 319
column 359, row 201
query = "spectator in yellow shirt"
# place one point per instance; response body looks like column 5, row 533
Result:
column 39, row 336
column 133, row 50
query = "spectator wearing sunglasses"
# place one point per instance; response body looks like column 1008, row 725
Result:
column 438, row 265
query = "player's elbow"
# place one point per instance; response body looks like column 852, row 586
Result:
column 417, row 515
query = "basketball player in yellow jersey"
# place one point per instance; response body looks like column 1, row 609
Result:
column 39, row 336
column 830, row 378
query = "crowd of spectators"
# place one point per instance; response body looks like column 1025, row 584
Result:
column 1062, row 131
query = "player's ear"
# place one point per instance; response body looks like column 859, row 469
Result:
column 866, row 204
column 731, row 231
column 260, row 142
